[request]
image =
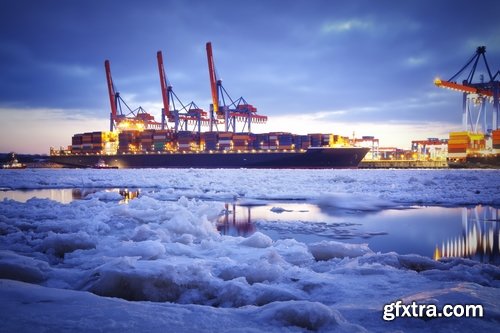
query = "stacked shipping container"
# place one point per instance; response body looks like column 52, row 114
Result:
column 241, row 141
column 225, row 140
column 146, row 140
column 77, row 143
column 261, row 141
column 161, row 138
column 166, row 140
column 128, row 142
column 210, row 139
column 316, row 139
column 94, row 142
column 460, row 143
column 495, row 136
column 285, row 141
column 457, row 144
column 187, row 141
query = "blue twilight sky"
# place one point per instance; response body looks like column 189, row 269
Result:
column 333, row 66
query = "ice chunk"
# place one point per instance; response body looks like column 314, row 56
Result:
column 17, row 267
column 259, row 240
column 279, row 210
column 146, row 250
column 345, row 201
column 327, row 250
column 303, row 314
column 294, row 252
column 60, row 244
column 418, row 263
column 105, row 196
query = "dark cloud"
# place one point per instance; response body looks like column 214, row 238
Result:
column 283, row 56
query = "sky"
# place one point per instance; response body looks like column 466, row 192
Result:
column 343, row 67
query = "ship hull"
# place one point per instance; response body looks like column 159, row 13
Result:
column 311, row 158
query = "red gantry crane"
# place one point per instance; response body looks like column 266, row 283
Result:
column 137, row 119
column 174, row 110
column 476, row 95
column 224, row 107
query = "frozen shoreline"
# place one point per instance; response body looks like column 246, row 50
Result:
column 158, row 262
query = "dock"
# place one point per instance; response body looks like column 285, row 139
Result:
column 402, row 164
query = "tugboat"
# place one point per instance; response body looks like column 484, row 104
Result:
column 101, row 164
column 13, row 163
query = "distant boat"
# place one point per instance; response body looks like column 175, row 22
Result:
column 101, row 164
column 13, row 163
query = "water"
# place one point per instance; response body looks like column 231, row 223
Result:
column 65, row 195
column 469, row 232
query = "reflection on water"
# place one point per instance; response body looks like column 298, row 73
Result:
column 62, row 195
column 429, row 231
column 67, row 195
column 479, row 239
column 236, row 220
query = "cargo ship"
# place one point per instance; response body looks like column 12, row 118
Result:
column 136, row 140
column 166, row 149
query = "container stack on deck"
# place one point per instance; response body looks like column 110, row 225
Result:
column 98, row 140
column 76, row 143
column 285, row 141
column 147, row 140
column 316, row 139
column 495, row 136
column 161, row 139
column 210, row 139
column 128, row 142
column 225, row 140
column 187, row 141
column 301, row 141
column 94, row 143
column 261, row 141
column 241, row 141
column 158, row 141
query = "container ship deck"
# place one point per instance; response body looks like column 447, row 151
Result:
column 185, row 149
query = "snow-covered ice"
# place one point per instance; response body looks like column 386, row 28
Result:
column 372, row 188
column 158, row 263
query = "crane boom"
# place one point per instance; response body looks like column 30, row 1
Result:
column 112, row 94
column 462, row 88
column 213, row 78
column 164, row 88
column 476, row 94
